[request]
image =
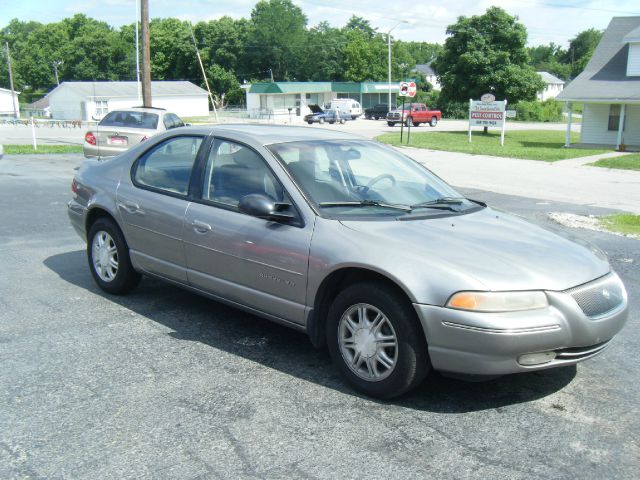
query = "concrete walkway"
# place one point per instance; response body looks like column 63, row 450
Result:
column 563, row 181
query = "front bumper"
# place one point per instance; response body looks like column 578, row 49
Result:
column 491, row 343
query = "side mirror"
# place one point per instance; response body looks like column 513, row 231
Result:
column 262, row 206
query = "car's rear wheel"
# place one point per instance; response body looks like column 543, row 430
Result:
column 391, row 124
column 342, row 120
column 434, row 121
column 375, row 340
column 108, row 256
column 417, row 124
column 376, row 118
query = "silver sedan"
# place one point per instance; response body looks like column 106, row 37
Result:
column 355, row 244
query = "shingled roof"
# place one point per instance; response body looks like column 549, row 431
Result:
column 605, row 77
column 130, row 89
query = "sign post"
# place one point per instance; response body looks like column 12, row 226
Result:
column 407, row 89
column 488, row 113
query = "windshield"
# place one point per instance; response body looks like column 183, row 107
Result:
column 130, row 120
column 353, row 177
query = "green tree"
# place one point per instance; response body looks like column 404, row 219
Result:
column 549, row 58
column 323, row 52
column 224, row 86
column 362, row 25
column 581, row 49
column 277, row 37
column 363, row 58
column 486, row 53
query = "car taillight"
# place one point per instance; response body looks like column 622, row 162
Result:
column 90, row 138
column 144, row 138
column 74, row 186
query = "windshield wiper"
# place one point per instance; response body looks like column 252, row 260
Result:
column 441, row 203
column 366, row 203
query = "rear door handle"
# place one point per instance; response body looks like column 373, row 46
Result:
column 131, row 207
column 201, row 227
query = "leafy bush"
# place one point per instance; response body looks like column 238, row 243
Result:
column 459, row 110
column 536, row 111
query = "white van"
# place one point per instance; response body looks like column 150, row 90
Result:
column 347, row 106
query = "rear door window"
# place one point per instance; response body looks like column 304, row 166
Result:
column 168, row 166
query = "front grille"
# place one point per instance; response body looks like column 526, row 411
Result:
column 393, row 116
column 600, row 296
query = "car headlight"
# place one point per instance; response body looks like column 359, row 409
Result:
column 497, row 301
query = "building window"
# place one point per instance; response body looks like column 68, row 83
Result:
column 102, row 108
column 614, row 118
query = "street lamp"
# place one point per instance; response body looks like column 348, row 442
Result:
column 389, row 47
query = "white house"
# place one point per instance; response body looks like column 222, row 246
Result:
column 609, row 87
column 92, row 100
column 6, row 102
column 553, row 86
column 429, row 73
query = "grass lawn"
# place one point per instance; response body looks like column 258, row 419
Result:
column 546, row 145
column 23, row 149
column 626, row 162
column 623, row 223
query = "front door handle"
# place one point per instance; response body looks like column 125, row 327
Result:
column 201, row 227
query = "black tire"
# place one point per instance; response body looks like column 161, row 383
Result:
column 321, row 120
column 417, row 124
column 125, row 278
column 342, row 120
column 310, row 122
column 411, row 357
column 434, row 121
column 376, row 118
column 391, row 124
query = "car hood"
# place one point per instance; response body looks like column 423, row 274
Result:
column 315, row 108
column 500, row 250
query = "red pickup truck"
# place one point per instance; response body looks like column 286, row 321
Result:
column 415, row 115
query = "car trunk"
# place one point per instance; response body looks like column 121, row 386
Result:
column 120, row 136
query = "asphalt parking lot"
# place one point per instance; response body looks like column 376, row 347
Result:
column 165, row 384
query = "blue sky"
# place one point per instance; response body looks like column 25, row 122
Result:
column 546, row 20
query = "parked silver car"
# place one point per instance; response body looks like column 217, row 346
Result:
column 351, row 242
column 121, row 129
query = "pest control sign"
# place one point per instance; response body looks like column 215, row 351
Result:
column 488, row 112
column 407, row 89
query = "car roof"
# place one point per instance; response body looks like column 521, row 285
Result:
column 271, row 134
column 157, row 111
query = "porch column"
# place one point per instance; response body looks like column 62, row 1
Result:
column 567, row 138
column 621, row 125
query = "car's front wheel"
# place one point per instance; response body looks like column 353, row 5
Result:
column 108, row 257
column 391, row 124
column 375, row 340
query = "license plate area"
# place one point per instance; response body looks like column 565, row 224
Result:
column 117, row 140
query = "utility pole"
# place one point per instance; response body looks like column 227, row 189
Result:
column 13, row 94
column 55, row 64
column 138, row 52
column 146, row 55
